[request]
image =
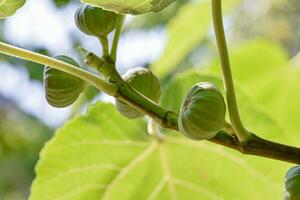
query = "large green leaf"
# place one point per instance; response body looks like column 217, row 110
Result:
column 186, row 31
column 102, row 155
column 131, row 6
column 153, row 19
column 9, row 7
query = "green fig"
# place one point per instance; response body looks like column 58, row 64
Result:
column 202, row 112
column 292, row 184
column 62, row 89
column 96, row 21
column 146, row 83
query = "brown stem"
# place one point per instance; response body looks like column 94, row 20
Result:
column 260, row 147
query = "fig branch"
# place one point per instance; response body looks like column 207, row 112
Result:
column 237, row 125
column 166, row 118
column 90, row 78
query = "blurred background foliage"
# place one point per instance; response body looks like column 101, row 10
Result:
column 262, row 37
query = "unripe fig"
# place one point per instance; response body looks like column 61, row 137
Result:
column 146, row 83
column 96, row 21
column 202, row 112
column 62, row 89
column 292, row 184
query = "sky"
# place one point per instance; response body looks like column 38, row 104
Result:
column 40, row 24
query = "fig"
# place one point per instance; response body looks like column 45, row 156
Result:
column 146, row 83
column 62, row 89
column 96, row 21
column 202, row 113
column 292, row 184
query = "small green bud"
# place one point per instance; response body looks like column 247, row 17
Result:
column 96, row 21
column 62, row 89
column 202, row 112
column 145, row 82
column 292, row 184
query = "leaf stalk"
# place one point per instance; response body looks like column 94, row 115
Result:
column 237, row 125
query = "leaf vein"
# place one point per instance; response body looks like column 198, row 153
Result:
column 157, row 189
column 252, row 171
column 128, row 167
column 196, row 188
column 167, row 172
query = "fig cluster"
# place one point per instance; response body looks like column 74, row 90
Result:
column 202, row 112
column 62, row 89
column 143, row 81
